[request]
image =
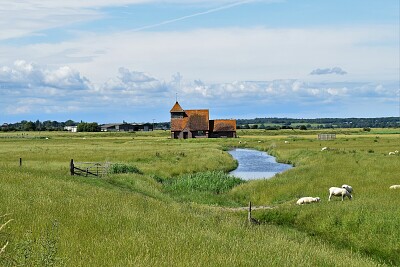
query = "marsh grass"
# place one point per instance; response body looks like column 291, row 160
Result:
column 127, row 219
column 3, row 244
column 204, row 187
column 368, row 224
column 123, row 168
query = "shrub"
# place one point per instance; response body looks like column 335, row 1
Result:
column 123, row 168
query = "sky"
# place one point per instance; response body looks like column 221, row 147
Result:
column 110, row 61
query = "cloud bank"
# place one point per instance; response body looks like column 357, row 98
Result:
column 29, row 89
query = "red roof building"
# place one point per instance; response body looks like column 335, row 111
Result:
column 196, row 124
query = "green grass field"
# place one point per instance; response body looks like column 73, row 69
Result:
column 175, row 207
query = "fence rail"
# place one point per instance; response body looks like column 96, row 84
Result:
column 89, row 168
column 326, row 136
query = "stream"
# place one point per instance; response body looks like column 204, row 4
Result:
column 254, row 164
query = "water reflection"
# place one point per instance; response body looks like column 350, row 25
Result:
column 255, row 164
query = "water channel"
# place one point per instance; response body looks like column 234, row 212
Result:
column 255, row 164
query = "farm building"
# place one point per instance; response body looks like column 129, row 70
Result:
column 72, row 129
column 196, row 124
column 126, row 127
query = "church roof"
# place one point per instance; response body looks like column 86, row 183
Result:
column 223, row 125
column 177, row 108
column 195, row 120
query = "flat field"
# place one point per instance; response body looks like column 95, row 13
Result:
column 170, row 214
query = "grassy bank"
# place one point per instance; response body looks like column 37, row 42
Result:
column 368, row 224
column 161, row 215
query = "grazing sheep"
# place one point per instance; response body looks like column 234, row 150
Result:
column 347, row 187
column 392, row 153
column 337, row 191
column 324, row 148
column 286, row 142
column 307, row 200
column 396, row 186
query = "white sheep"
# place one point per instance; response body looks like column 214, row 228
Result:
column 337, row 191
column 392, row 153
column 286, row 142
column 324, row 148
column 347, row 187
column 307, row 200
column 396, row 186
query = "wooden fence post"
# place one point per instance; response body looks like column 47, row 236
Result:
column 249, row 213
column 71, row 167
column 20, row 162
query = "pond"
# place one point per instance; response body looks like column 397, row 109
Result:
column 255, row 164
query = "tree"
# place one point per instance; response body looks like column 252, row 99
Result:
column 88, row 127
column 29, row 126
column 70, row 123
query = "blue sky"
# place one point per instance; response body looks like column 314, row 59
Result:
column 109, row 61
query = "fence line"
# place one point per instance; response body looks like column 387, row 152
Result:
column 326, row 136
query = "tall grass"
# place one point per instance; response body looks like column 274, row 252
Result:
column 204, row 187
column 127, row 219
column 369, row 224
column 123, row 168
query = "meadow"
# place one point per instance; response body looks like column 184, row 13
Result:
column 172, row 204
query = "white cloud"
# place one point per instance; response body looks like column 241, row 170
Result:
column 24, row 18
column 36, row 89
column 134, row 83
column 28, row 75
column 221, row 55
column 334, row 70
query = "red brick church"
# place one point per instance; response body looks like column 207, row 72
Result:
column 195, row 123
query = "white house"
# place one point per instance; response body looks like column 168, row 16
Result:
column 72, row 129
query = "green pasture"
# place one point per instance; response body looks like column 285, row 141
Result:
column 170, row 202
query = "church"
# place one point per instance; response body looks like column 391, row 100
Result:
column 195, row 123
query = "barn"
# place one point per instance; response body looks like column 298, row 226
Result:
column 126, row 127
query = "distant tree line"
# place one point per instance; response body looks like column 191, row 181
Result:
column 60, row 126
column 322, row 123
column 257, row 123
column 49, row 126
column 37, row 125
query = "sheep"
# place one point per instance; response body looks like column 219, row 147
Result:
column 348, row 188
column 392, row 153
column 337, row 191
column 286, row 142
column 324, row 148
column 307, row 200
column 396, row 186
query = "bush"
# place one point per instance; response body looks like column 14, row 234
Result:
column 123, row 168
